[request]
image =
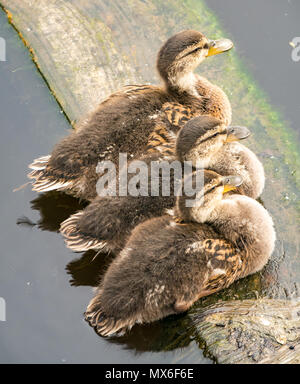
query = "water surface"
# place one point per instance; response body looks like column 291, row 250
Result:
column 262, row 31
column 45, row 301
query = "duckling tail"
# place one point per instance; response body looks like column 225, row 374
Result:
column 75, row 239
column 38, row 166
column 105, row 325
column 40, row 163
column 43, row 183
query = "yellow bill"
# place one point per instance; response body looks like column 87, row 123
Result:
column 228, row 188
column 219, row 46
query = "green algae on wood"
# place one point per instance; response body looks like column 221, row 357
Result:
column 88, row 49
column 251, row 331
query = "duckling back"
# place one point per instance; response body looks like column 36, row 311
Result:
column 249, row 226
column 153, row 271
column 123, row 123
column 167, row 263
column 107, row 222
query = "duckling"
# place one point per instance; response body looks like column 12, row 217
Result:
column 108, row 221
column 170, row 262
column 218, row 149
column 125, row 120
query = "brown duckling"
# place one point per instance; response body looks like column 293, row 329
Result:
column 125, row 120
column 108, row 221
column 170, row 262
column 218, row 149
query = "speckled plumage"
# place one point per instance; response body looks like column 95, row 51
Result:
column 109, row 220
column 167, row 264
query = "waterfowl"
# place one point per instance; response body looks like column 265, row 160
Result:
column 170, row 262
column 204, row 141
column 209, row 144
column 125, row 120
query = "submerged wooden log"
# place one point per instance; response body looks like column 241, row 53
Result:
column 87, row 49
column 251, row 331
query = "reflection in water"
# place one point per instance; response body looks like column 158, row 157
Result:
column 165, row 335
column 170, row 334
column 87, row 270
column 55, row 207
column 33, row 279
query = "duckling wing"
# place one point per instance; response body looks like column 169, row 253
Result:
column 75, row 239
column 108, row 220
column 222, row 268
column 177, row 114
column 224, row 263
column 43, row 183
column 172, row 118
column 133, row 89
column 121, row 123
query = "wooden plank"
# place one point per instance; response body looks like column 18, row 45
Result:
column 251, row 331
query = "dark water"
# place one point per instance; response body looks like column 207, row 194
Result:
column 45, row 286
column 45, row 301
column 261, row 31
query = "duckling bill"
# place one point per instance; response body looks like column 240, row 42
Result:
column 124, row 121
column 170, row 262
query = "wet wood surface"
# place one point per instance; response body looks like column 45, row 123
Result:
column 251, row 331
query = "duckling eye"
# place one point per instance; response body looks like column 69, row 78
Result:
column 195, row 50
column 211, row 188
column 205, row 46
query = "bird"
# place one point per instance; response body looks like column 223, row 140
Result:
column 206, row 142
column 170, row 262
column 124, row 122
column 219, row 150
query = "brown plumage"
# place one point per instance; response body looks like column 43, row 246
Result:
column 125, row 121
column 168, row 264
column 108, row 221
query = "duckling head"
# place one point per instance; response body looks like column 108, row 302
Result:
column 182, row 53
column 203, row 190
column 203, row 136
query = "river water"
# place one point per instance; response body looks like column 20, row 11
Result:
column 262, row 31
column 45, row 297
